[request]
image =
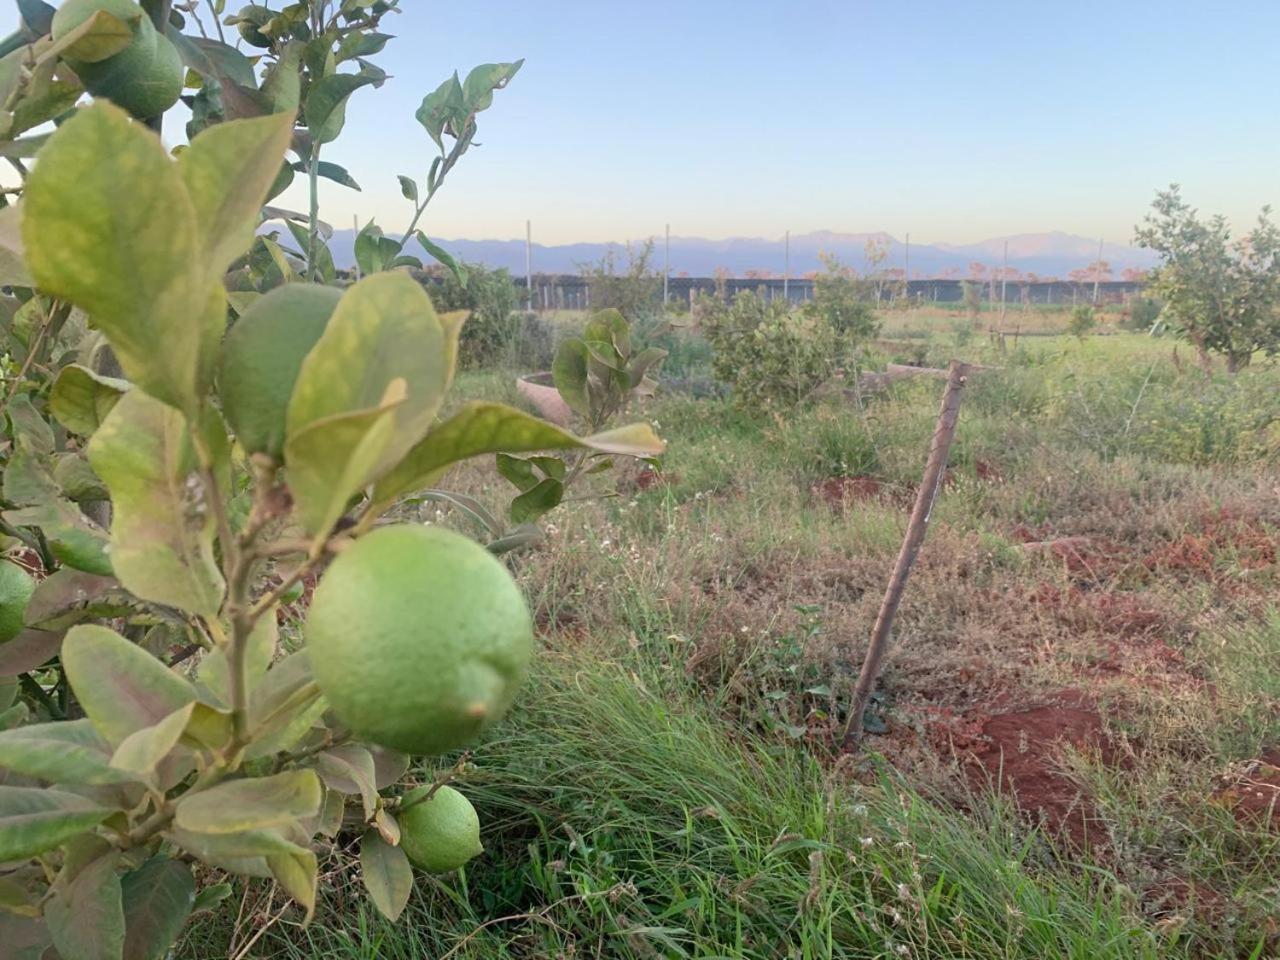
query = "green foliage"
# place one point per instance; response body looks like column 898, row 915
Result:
column 492, row 330
column 169, row 539
column 770, row 355
column 1222, row 296
column 1083, row 320
column 845, row 301
column 1143, row 314
column 635, row 291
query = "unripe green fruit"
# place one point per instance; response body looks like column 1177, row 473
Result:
column 16, row 587
column 251, row 18
column 261, row 357
column 418, row 638
column 145, row 78
column 440, row 834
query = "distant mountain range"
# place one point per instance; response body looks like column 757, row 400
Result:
column 1045, row 254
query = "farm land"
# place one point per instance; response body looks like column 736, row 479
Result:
column 1075, row 748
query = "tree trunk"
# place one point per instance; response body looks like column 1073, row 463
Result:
column 1237, row 361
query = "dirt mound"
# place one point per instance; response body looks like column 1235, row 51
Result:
column 1020, row 751
column 1252, row 791
column 841, row 491
column 1225, row 539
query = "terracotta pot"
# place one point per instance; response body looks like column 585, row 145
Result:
column 539, row 390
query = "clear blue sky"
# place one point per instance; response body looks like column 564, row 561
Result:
column 955, row 121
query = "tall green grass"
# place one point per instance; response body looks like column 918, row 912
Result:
column 619, row 825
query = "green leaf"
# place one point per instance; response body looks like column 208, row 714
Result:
column 36, row 819
column 81, row 399
column 348, row 768
column 213, row 59
column 141, row 752
column 569, row 373
column 481, row 428
column 120, row 686
column 483, row 80
column 46, row 97
column 383, row 342
column 65, row 751
column 86, row 916
column 282, row 85
column 533, row 503
column 642, row 363
column 109, row 226
column 37, row 16
column 444, row 257
column 161, row 539
column 386, row 873
column 443, row 110
column 409, row 188
column 254, row 803
column 361, row 44
column 323, row 255
column 30, row 431
column 326, row 109
column 228, row 170
column 517, row 471
column 329, row 171
column 73, row 538
column 158, row 897
column 210, row 897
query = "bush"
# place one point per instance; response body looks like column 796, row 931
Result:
column 636, row 293
column 1143, row 313
column 490, row 334
column 845, row 301
column 1083, row 320
column 769, row 355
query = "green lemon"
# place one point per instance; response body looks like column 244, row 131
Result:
column 250, row 19
column 16, row 587
column 418, row 638
column 145, row 78
column 440, row 834
column 261, row 357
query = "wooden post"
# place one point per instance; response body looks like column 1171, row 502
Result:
column 935, row 469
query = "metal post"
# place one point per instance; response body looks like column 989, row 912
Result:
column 786, row 270
column 906, row 269
column 1004, row 274
column 666, row 265
column 528, row 264
column 1097, row 273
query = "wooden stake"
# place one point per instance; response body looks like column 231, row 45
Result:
column 943, row 433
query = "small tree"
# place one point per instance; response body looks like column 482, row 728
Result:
column 1083, row 320
column 971, row 292
column 844, row 300
column 492, row 329
column 1221, row 295
column 635, row 292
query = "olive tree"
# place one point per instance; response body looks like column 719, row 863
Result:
column 1222, row 295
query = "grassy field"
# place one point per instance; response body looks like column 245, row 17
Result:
column 1079, row 753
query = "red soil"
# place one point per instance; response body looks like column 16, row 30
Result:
column 842, row 491
column 1253, row 795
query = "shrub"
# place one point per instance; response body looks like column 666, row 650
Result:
column 1083, row 320
column 1143, row 313
column 490, row 333
column 845, row 301
column 636, row 292
column 768, row 354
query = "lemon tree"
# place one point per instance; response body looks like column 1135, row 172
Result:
column 206, row 417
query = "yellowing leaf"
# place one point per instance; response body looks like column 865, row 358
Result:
column 254, row 803
column 228, row 169
column 36, row 819
column 481, row 427
column 141, row 752
column 162, row 532
column 109, row 226
column 81, row 399
column 66, row 751
column 86, row 915
column 120, row 687
column 386, row 873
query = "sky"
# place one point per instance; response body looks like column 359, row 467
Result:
column 953, row 121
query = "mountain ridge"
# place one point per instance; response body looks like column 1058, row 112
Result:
column 1048, row 254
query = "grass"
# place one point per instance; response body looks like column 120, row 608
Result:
column 667, row 787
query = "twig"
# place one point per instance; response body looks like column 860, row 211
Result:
column 934, row 471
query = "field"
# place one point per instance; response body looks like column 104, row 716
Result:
column 1078, row 739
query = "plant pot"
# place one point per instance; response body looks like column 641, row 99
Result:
column 539, row 389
